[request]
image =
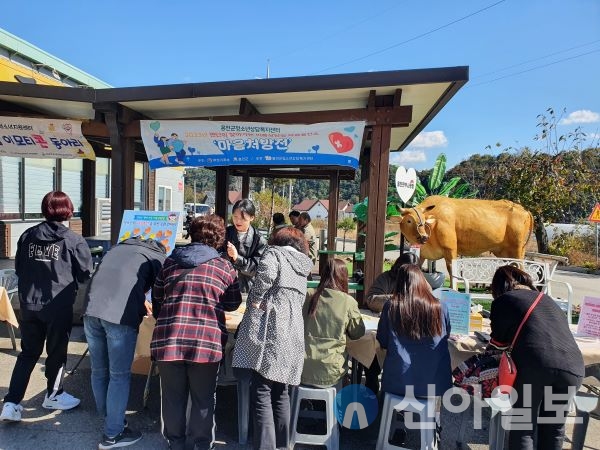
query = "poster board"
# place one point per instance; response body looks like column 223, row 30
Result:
column 158, row 225
column 589, row 317
column 459, row 308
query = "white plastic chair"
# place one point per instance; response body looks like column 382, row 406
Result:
column 424, row 407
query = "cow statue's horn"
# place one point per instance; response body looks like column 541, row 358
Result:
column 404, row 211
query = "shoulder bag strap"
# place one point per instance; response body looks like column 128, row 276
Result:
column 529, row 311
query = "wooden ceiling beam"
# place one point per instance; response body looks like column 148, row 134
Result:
column 95, row 128
column 247, row 108
column 386, row 115
column 14, row 110
column 303, row 172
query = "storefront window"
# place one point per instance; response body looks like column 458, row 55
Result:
column 40, row 178
column 164, row 198
column 10, row 187
column 139, row 187
column 72, row 182
column 102, row 178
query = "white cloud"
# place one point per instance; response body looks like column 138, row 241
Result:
column 408, row 156
column 581, row 116
column 429, row 139
column 592, row 136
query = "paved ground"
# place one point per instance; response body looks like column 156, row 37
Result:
column 81, row 428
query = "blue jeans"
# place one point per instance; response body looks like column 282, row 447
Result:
column 112, row 347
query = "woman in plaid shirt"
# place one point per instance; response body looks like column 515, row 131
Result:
column 189, row 299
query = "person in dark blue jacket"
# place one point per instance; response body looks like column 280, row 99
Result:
column 115, row 308
column 51, row 261
column 414, row 328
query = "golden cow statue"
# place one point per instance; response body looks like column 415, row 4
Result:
column 449, row 227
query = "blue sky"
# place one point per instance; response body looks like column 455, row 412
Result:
column 524, row 55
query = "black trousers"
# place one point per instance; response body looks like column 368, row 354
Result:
column 37, row 328
column 372, row 376
column 271, row 403
column 178, row 381
column 548, row 412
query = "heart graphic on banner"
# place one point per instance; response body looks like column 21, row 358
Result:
column 406, row 183
column 155, row 125
column 341, row 143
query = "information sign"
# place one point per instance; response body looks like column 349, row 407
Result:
column 459, row 308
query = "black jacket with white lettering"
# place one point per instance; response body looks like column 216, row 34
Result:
column 50, row 262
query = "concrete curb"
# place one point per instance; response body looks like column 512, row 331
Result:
column 576, row 269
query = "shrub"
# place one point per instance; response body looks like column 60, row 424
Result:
column 579, row 248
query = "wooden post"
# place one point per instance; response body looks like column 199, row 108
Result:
column 122, row 173
column 88, row 207
column 377, row 185
column 245, row 185
column 221, row 192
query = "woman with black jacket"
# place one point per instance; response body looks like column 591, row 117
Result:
column 545, row 354
column 244, row 244
column 51, row 261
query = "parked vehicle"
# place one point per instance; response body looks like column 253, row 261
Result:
column 199, row 209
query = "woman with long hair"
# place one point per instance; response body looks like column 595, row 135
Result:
column 546, row 355
column 270, row 339
column 414, row 328
column 330, row 315
column 190, row 296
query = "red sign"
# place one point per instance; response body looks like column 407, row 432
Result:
column 595, row 216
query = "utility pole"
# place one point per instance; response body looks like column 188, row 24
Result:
column 194, row 198
column 290, row 194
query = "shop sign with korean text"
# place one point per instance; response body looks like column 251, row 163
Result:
column 203, row 143
column 43, row 138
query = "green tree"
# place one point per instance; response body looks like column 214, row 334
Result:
column 547, row 180
column 346, row 225
column 267, row 204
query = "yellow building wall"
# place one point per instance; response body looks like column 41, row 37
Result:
column 9, row 69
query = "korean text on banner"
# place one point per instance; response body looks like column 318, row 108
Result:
column 205, row 143
column 43, row 138
column 158, row 225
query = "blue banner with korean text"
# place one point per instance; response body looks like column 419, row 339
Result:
column 203, row 143
column 43, row 138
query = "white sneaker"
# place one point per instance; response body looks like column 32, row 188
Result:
column 62, row 401
column 11, row 412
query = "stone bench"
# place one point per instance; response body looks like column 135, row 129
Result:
column 480, row 270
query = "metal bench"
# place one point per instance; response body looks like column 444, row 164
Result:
column 480, row 270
